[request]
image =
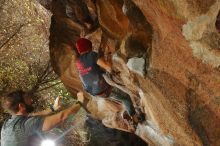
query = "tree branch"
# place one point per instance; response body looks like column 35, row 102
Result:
column 12, row 36
column 49, row 80
column 48, row 87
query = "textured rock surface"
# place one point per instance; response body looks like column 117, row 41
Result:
column 137, row 65
column 179, row 41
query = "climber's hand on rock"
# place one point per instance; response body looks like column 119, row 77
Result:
column 80, row 97
column 115, row 73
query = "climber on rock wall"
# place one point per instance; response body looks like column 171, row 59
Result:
column 90, row 66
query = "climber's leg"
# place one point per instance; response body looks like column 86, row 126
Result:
column 124, row 98
column 130, row 114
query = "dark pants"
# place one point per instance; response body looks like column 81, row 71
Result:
column 122, row 97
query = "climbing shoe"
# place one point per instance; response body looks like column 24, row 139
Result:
column 130, row 121
column 140, row 115
column 126, row 116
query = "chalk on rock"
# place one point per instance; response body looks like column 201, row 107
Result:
column 137, row 65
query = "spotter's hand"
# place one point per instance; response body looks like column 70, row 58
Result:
column 80, row 97
column 56, row 104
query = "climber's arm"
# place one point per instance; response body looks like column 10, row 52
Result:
column 104, row 64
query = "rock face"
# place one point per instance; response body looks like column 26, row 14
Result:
column 179, row 43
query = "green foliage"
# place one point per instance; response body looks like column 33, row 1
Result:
column 15, row 75
column 23, row 44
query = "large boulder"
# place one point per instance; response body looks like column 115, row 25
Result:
column 178, row 43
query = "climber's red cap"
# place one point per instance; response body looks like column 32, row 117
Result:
column 83, row 45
